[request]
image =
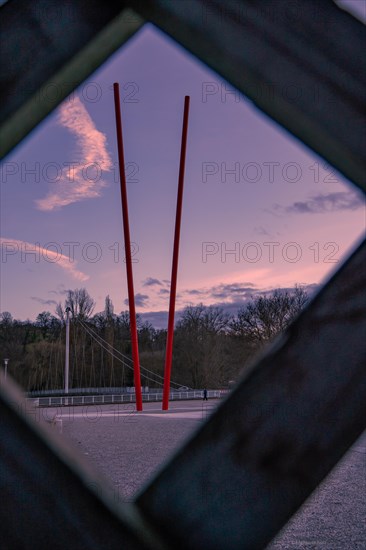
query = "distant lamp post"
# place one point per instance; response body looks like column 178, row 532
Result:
column 6, row 367
column 67, row 351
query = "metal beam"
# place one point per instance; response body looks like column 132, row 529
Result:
column 277, row 436
column 51, row 498
column 296, row 61
column 302, row 63
column 50, row 48
column 127, row 242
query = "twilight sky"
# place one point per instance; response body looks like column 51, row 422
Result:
column 260, row 210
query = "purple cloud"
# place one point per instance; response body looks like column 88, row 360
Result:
column 150, row 281
column 140, row 300
column 44, row 302
column 329, row 202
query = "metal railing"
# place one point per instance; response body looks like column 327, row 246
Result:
column 71, row 400
column 88, row 391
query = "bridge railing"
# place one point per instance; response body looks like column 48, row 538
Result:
column 70, row 400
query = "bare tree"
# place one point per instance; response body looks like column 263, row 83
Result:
column 47, row 323
column 80, row 302
column 6, row 318
column 106, row 317
column 215, row 320
column 108, row 309
column 60, row 312
column 265, row 316
column 199, row 346
column 202, row 319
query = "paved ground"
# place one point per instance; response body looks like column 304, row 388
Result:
column 334, row 517
column 128, row 448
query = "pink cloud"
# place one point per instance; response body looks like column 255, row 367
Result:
column 83, row 180
column 11, row 247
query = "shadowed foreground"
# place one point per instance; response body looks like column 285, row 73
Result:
column 128, row 448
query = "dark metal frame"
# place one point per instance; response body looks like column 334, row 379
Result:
column 299, row 408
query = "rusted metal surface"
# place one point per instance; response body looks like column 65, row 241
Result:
column 278, row 435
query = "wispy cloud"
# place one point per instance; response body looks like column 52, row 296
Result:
column 221, row 291
column 164, row 291
column 85, row 180
column 260, row 230
column 150, row 281
column 35, row 252
column 322, row 203
column 140, row 300
column 60, row 291
column 44, row 302
column 232, row 291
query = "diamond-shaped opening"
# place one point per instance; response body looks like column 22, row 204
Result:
column 261, row 212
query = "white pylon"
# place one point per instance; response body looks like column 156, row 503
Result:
column 67, row 351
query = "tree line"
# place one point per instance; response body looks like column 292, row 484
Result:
column 211, row 347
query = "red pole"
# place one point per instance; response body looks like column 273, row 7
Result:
column 173, row 285
column 126, row 230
